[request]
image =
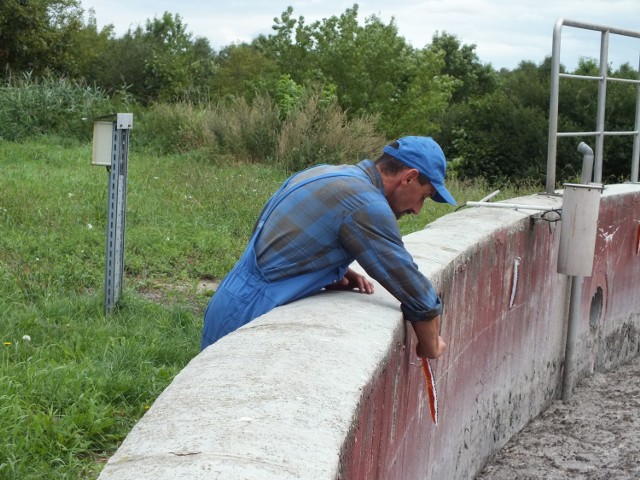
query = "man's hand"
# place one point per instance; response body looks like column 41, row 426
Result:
column 441, row 347
column 352, row 281
column 430, row 343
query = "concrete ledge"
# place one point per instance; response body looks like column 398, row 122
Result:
column 274, row 400
column 329, row 387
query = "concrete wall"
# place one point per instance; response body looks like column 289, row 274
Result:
column 330, row 388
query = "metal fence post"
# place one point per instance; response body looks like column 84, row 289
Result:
column 116, row 210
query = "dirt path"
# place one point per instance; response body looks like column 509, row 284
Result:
column 596, row 436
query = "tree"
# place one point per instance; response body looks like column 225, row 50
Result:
column 40, row 36
column 122, row 66
column 578, row 101
column 373, row 70
column 160, row 62
column 366, row 63
column 175, row 67
column 243, row 70
column 87, row 48
column 503, row 134
column 290, row 47
column 462, row 63
column 421, row 99
column 620, row 115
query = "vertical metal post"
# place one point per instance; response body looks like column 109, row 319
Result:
column 602, row 100
column 553, row 108
column 635, row 159
column 116, row 211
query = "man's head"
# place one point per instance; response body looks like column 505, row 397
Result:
column 415, row 168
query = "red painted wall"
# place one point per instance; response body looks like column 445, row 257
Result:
column 506, row 343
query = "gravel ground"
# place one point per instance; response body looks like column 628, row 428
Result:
column 595, row 436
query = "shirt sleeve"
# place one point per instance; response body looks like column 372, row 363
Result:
column 372, row 236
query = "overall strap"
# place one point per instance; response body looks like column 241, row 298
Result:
column 281, row 194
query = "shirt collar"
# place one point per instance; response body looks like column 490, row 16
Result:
column 369, row 167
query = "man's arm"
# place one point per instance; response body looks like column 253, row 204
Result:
column 372, row 236
column 430, row 343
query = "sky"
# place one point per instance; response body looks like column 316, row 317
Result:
column 505, row 32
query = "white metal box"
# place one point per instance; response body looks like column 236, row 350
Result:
column 580, row 207
column 102, row 143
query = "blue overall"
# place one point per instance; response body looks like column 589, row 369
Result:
column 245, row 293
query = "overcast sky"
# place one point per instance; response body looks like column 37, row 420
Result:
column 505, row 32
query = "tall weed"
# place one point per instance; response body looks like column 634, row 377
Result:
column 320, row 132
column 248, row 131
column 312, row 130
column 172, row 128
column 49, row 105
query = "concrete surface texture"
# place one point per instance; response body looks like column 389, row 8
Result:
column 329, row 387
column 594, row 436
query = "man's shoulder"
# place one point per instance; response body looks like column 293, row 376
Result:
column 322, row 170
column 345, row 188
column 336, row 176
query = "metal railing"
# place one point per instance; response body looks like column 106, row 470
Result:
column 602, row 79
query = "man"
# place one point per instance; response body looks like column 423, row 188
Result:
column 324, row 218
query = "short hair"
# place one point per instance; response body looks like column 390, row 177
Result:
column 390, row 165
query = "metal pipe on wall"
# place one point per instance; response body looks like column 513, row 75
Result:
column 579, row 222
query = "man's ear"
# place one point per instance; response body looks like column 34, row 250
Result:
column 410, row 175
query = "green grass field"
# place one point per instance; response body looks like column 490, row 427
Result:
column 74, row 381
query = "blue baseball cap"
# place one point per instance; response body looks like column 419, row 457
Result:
column 426, row 156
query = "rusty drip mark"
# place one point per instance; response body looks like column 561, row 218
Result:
column 514, row 281
column 638, row 240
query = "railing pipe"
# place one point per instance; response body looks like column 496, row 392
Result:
column 599, row 28
column 515, row 206
column 635, row 159
column 603, row 79
column 552, row 144
column 602, row 100
column 584, row 134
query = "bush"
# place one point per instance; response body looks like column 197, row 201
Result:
column 498, row 139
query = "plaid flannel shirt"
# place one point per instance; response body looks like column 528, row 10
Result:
column 330, row 222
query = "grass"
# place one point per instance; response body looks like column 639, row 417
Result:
column 74, row 381
column 79, row 380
